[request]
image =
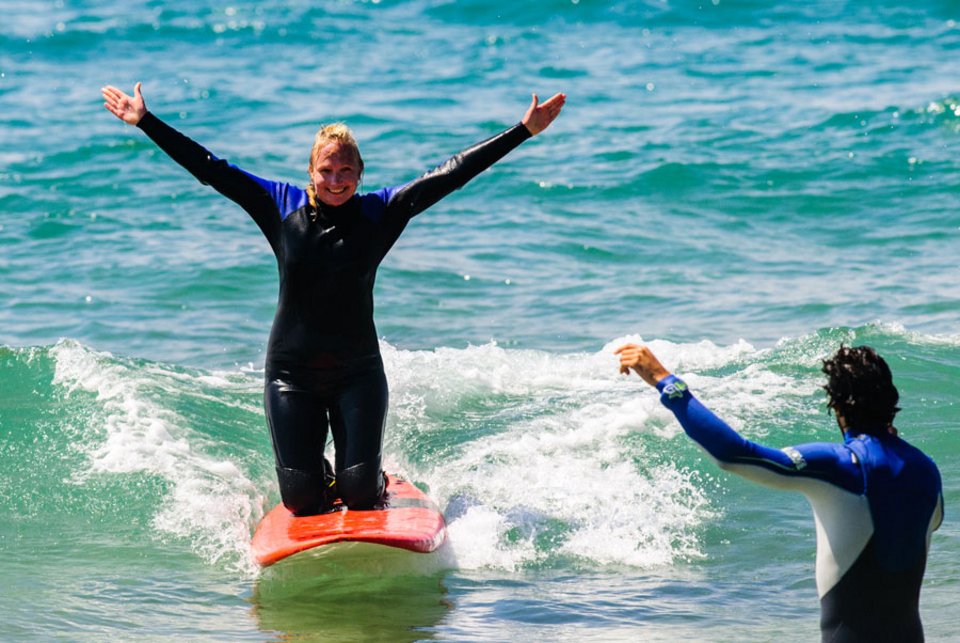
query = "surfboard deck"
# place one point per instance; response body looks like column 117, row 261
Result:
column 407, row 520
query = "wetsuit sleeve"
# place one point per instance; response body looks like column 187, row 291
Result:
column 418, row 195
column 792, row 468
column 262, row 199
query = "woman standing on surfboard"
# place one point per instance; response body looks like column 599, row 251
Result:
column 323, row 368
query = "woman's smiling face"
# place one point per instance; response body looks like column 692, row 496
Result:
column 335, row 173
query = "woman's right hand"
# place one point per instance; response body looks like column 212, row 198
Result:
column 128, row 109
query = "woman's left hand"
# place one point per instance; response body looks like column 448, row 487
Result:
column 538, row 116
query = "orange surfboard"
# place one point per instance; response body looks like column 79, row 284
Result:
column 408, row 520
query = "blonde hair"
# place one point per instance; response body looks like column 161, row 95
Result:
column 333, row 133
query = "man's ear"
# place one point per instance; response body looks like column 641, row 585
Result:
column 841, row 421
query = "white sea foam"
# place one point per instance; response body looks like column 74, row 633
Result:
column 914, row 337
column 211, row 503
column 565, row 465
column 539, row 457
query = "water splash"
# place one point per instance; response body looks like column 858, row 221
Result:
column 211, row 501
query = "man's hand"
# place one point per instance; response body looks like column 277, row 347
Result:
column 641, row 360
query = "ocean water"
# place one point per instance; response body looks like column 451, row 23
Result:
column 744, row 185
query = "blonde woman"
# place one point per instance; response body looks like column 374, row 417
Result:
column 323, row 368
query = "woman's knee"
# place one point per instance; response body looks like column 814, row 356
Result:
column 361, row 486
column 305, row 493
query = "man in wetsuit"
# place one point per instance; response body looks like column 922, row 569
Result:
column 876, row 499
column 323, row 368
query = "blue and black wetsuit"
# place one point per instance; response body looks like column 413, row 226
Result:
column 876, row 501
column 323, row 368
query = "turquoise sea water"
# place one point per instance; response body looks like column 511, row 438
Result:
column 743, row 184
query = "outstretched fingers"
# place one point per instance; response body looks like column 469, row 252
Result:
column 554, row 103
column 113, row 99
column 123, row 106
column 540, row 115
column 552, row 106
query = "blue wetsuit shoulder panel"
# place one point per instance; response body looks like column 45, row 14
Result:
column 288, row 198
column 903, row 488
column 373, row 205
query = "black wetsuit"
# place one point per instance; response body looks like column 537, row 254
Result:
column 323, row 367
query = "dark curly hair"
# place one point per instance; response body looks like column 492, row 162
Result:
column 860, row 388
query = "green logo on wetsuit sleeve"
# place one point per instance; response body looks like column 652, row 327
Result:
column 675, row 389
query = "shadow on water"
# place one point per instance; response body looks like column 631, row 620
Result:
column 352, row 592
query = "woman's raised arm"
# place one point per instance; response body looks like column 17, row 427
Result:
column 421, row 193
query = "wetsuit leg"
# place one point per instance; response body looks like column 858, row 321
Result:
column 298, row 427
column 357, row 419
